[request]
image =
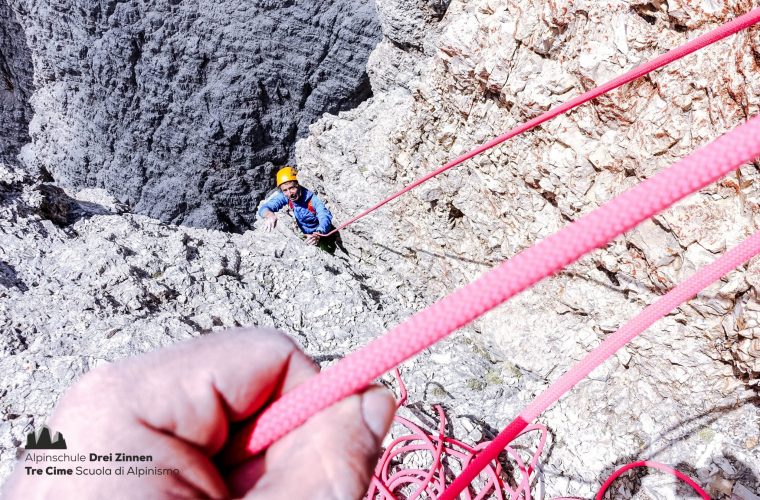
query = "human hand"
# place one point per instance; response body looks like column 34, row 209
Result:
column 269, row 222
column 176, row 404
column 312, row 239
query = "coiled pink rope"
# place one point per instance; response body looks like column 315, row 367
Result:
column 392, row 480
column 683, row 292
column 431, row 480
column 648, row 463
column 713, row 36
column 359, row 369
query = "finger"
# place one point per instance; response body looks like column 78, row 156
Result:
column 237, row 372
column 192, row 389
column 333, row 454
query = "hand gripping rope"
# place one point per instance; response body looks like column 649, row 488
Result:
column 591, row 231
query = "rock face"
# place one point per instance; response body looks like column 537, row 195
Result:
column 181, row 108
column 684, row 393
column 15, row 86
column 81, row 284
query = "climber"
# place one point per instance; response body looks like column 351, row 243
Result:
column 311, row 215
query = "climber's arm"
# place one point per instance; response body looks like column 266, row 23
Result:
column 272, row 205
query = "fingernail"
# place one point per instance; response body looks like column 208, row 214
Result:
column 378, row 408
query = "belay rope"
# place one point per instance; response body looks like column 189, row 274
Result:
column 360, row 368
column 702, row 41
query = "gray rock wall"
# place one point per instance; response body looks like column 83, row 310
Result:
column 685, row 392
column 180, row 109
column 81, row 283
column 15, row 86
column 79, row 286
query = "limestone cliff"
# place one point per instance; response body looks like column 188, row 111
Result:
column 688, row 388
column 15, row 86
column 82, row 282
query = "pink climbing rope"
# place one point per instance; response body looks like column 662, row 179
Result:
column 430, row 480
column 680, row 294
column 591, row 231
column 359, row 369
column 708, row 38
column 656, row 465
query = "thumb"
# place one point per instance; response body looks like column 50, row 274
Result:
column 333, row 455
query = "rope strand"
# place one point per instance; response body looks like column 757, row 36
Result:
column 711, row 37
column 357, row 370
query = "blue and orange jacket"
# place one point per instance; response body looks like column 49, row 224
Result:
column 311, row 214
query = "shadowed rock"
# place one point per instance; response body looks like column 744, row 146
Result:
column 183, row 109
column 15, row 86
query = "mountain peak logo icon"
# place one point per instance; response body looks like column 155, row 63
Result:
column 42, row 440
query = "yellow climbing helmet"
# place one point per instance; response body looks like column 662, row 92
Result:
column 286, row 174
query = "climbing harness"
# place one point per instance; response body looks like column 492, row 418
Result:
column 359, row 369
column 311, row 208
